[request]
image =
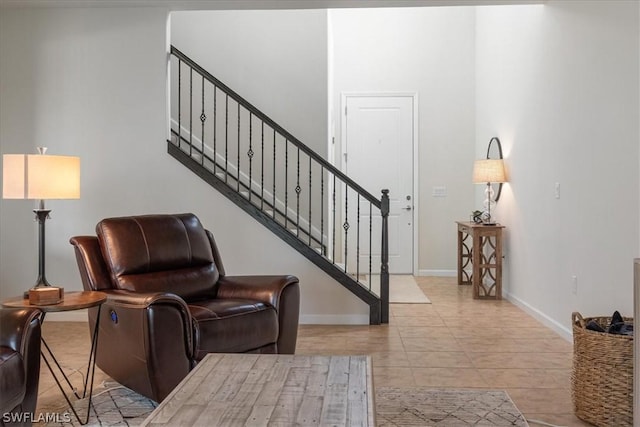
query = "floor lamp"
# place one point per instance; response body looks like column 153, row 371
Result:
column 40, row 177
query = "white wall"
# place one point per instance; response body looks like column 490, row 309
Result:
column 72, row 80
column 559, row 85
column 429, row 51
column 92, row 82
column 276, row 60
column 255, row 54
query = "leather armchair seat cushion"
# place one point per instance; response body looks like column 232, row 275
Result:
column 233, row 325
column 13, row 385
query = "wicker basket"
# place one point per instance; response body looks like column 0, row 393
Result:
column 602, row 375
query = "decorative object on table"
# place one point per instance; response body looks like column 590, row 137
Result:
column 46, row 295
column 602, row 374
column 488, row 171
column 40, row 177
column 476, row 216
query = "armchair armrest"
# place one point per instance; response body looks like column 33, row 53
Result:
column 145, row 299
column 267, row 289
column 18, row 326
column 21, row 332
column 145, row 340
column 281, row 292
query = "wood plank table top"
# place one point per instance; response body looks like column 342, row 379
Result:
column 271, row 390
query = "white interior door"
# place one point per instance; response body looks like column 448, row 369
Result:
column 378, row 146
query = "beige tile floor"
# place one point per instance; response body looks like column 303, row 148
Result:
column 455, row 342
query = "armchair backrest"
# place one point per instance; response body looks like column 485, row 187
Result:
column 159, row 253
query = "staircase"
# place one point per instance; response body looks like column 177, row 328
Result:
column 282, row 183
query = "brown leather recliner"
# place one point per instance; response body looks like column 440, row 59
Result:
column 170, row 301
column 19, row 365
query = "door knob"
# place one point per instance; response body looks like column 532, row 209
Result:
column 407, row 208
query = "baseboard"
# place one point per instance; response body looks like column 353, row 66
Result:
column 334, row 319
column 68, row 316
column 537, row 314
column 308, row 319
column 438, row 273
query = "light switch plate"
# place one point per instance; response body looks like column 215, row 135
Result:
column 439, row 191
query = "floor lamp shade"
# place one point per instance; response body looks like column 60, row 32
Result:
column 40, row 177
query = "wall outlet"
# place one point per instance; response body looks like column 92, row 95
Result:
column 574, row 285
column 557, row 190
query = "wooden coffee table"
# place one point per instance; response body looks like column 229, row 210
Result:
column 271, row 390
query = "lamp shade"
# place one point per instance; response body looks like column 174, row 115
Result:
column 39, row 176
column 488, row 170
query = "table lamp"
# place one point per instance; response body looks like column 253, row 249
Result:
column 40, row 177
column 486, row 171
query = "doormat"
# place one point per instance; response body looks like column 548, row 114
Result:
column 403, row 289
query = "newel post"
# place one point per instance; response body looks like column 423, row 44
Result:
column 384, row 267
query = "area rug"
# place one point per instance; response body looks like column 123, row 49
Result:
column 426, row 407
column 406, row 407
column 112, row 405
column 403, row 289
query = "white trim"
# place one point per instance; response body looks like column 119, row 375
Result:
column 416, row 183
column 331, row 128
column 438, row 273
column 305, row 319
column 334, row 319
column 563, row 331
column 168, row 77
column 416, row 157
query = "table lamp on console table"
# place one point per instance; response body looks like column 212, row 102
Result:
column 41, row 177
column 489, row 171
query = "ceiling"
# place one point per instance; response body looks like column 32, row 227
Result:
column 258, row 4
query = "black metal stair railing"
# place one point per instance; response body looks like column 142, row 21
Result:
column 281, row 182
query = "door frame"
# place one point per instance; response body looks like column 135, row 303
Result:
column 344, row 96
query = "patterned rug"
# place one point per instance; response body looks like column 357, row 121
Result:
column 445, row 407
column 118, row 406
column 112, row 405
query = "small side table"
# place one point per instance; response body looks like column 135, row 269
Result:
column 484, row 256
column 72, row 301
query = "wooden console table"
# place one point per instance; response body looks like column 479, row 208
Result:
column 480, row 264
